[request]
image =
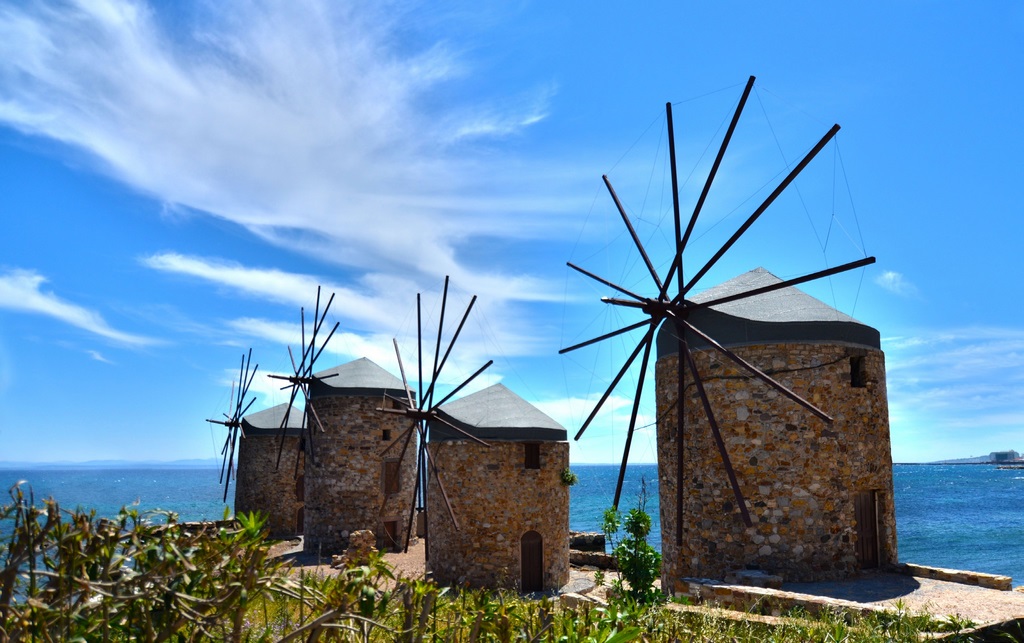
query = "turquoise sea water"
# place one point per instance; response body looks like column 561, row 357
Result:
column 958, row 516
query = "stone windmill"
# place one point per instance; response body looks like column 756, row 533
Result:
column 422, row 411
column 672, row 309
column 510, row 496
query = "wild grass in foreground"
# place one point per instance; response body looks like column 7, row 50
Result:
column 69, row 575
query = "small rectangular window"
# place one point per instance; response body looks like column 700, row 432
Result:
column 858, row 372
column 385, row 435
column 531, row 455
column 391, row 477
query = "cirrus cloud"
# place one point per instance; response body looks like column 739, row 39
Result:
column 21, row 291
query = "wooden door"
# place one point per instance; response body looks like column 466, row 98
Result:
column 866, row 514
column 532, row 545
column 391, row 535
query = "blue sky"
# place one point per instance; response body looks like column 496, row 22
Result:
column 177, row 178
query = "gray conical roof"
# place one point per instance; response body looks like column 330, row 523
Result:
column 358, row 377
column 268, row 421
column 786, row 315
column 498, row 414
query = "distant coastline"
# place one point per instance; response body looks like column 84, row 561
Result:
column 953, row 462
column 208, row 463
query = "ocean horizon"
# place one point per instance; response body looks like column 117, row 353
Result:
column 953, row 516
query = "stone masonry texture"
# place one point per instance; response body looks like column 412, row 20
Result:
column 496, row 500
column 798, row 474
column 345, row 473
column 261, row 485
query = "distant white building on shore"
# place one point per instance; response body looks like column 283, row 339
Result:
column 1003, row 456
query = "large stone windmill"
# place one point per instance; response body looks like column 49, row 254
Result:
column 691, row 359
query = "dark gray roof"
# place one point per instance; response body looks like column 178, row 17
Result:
column 784, row 315
column 497, row 414
column 360, row 377
column 268, row 421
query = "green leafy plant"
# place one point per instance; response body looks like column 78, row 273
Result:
column 568, row 478
column 638, row 562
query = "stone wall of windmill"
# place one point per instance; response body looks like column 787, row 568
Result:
column 820, row 495
column 260, row 484
column 511, row 506
column 356, row 475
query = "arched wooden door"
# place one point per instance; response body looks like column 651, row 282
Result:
column 532, row 546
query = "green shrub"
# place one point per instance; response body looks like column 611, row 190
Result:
column 639, row 564
column 568, row 478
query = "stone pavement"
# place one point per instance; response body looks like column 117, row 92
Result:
column 936, row 597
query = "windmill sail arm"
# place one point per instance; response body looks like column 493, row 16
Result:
column 614, row 301
column 718, row 162
column 401, row 369
column 463, row 385
column 867, row 261
column 716, row 432
column 604, row 281
column 761, row 208
column 647, row 339
column 614, row 333
column 455, row 337
column 461, row 431
column 632, row 232
column 440, row 485
column 632, row 423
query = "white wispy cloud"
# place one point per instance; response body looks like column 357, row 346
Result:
column 368, row 303
column 98, row 356
column 21, row 291
column 313, row 124
column 275, row 285
column 960, row 388
column 896, row 283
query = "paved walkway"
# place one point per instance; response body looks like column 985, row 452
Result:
column 938, row 598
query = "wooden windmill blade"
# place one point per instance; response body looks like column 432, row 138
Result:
column 663, row 306
column 303, row 378
column 423, row 410
column 233, row 422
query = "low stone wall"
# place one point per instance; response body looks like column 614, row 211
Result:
column 599, row 560
column 991, row 581
column 759, row 600
column 586, row 541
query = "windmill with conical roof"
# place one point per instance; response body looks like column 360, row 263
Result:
column 510, row 496
column 686, row 410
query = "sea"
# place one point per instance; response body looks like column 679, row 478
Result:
column 956, row 516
